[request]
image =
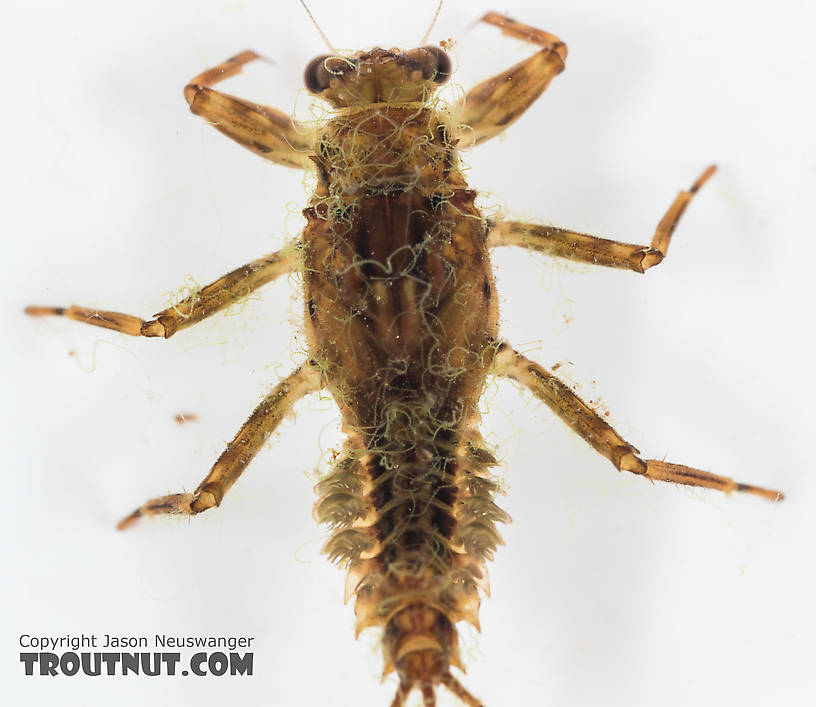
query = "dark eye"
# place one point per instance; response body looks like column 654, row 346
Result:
column 436, row 64
column 321, row 70
column 317, row 76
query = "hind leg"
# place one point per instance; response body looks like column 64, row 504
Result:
column 239, row 453
column 596, row 432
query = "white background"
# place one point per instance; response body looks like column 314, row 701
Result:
column 610, row 591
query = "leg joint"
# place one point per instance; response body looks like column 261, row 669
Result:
column 206, row 497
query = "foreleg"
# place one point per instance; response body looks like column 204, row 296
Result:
column 266, row 131
column 489, row 107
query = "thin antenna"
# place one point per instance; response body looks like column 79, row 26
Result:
column 433, row 22
column 325, row 38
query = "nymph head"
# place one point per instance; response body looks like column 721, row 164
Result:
column 378, row 76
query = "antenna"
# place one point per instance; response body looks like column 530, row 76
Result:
column 322, row 34
column 433, row 22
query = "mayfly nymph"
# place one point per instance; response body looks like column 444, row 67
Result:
column 402, row 326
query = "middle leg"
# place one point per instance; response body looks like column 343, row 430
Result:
column 597, row 433
column 225, row 291
column 561, row 243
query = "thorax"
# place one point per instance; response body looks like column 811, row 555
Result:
column 385, row 148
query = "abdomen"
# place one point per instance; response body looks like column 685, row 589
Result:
column 401, row 316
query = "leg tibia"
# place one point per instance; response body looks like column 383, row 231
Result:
column 679, row 474
column 123, row 323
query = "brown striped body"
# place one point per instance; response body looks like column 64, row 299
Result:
column 401, row 317
column 402, row 327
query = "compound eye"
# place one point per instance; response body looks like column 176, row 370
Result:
column 436, row 64
column 317, row 76
column 321, row 70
